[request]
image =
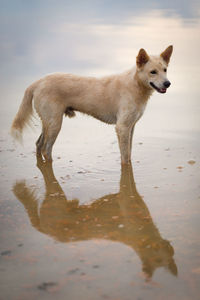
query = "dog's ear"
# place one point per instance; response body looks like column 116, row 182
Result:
column 167, row 54
column 142, row 58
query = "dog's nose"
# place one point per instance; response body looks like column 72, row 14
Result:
column 167, row 84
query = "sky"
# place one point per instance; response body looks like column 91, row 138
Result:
column 42, row 36
column 97, row 38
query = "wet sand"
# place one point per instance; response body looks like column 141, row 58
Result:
column 85, row 228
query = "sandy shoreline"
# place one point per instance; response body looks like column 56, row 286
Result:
column 100, row 216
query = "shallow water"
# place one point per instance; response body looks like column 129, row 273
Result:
column 83, row 227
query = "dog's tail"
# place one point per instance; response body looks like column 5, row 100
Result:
column 23, row 115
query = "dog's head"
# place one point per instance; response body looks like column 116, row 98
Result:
column 152, row 70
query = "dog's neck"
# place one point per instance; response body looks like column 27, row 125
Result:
column 143, row 92
column 141, row 86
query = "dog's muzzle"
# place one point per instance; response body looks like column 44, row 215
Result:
column 162, row 90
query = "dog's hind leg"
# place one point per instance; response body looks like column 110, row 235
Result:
column 39, row 144
column 50, row 133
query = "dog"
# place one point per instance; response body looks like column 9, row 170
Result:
column 117, row 99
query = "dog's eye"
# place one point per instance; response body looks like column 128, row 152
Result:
column 165, row 70
column 153, row 72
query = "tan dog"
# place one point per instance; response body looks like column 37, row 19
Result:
column 117, row 99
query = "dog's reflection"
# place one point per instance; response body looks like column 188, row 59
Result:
column 121, row 217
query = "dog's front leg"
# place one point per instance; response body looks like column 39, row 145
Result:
column 131, row 138
column 124, row 139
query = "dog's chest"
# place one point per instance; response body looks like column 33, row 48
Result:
column 142, row 109
column 139, row 111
